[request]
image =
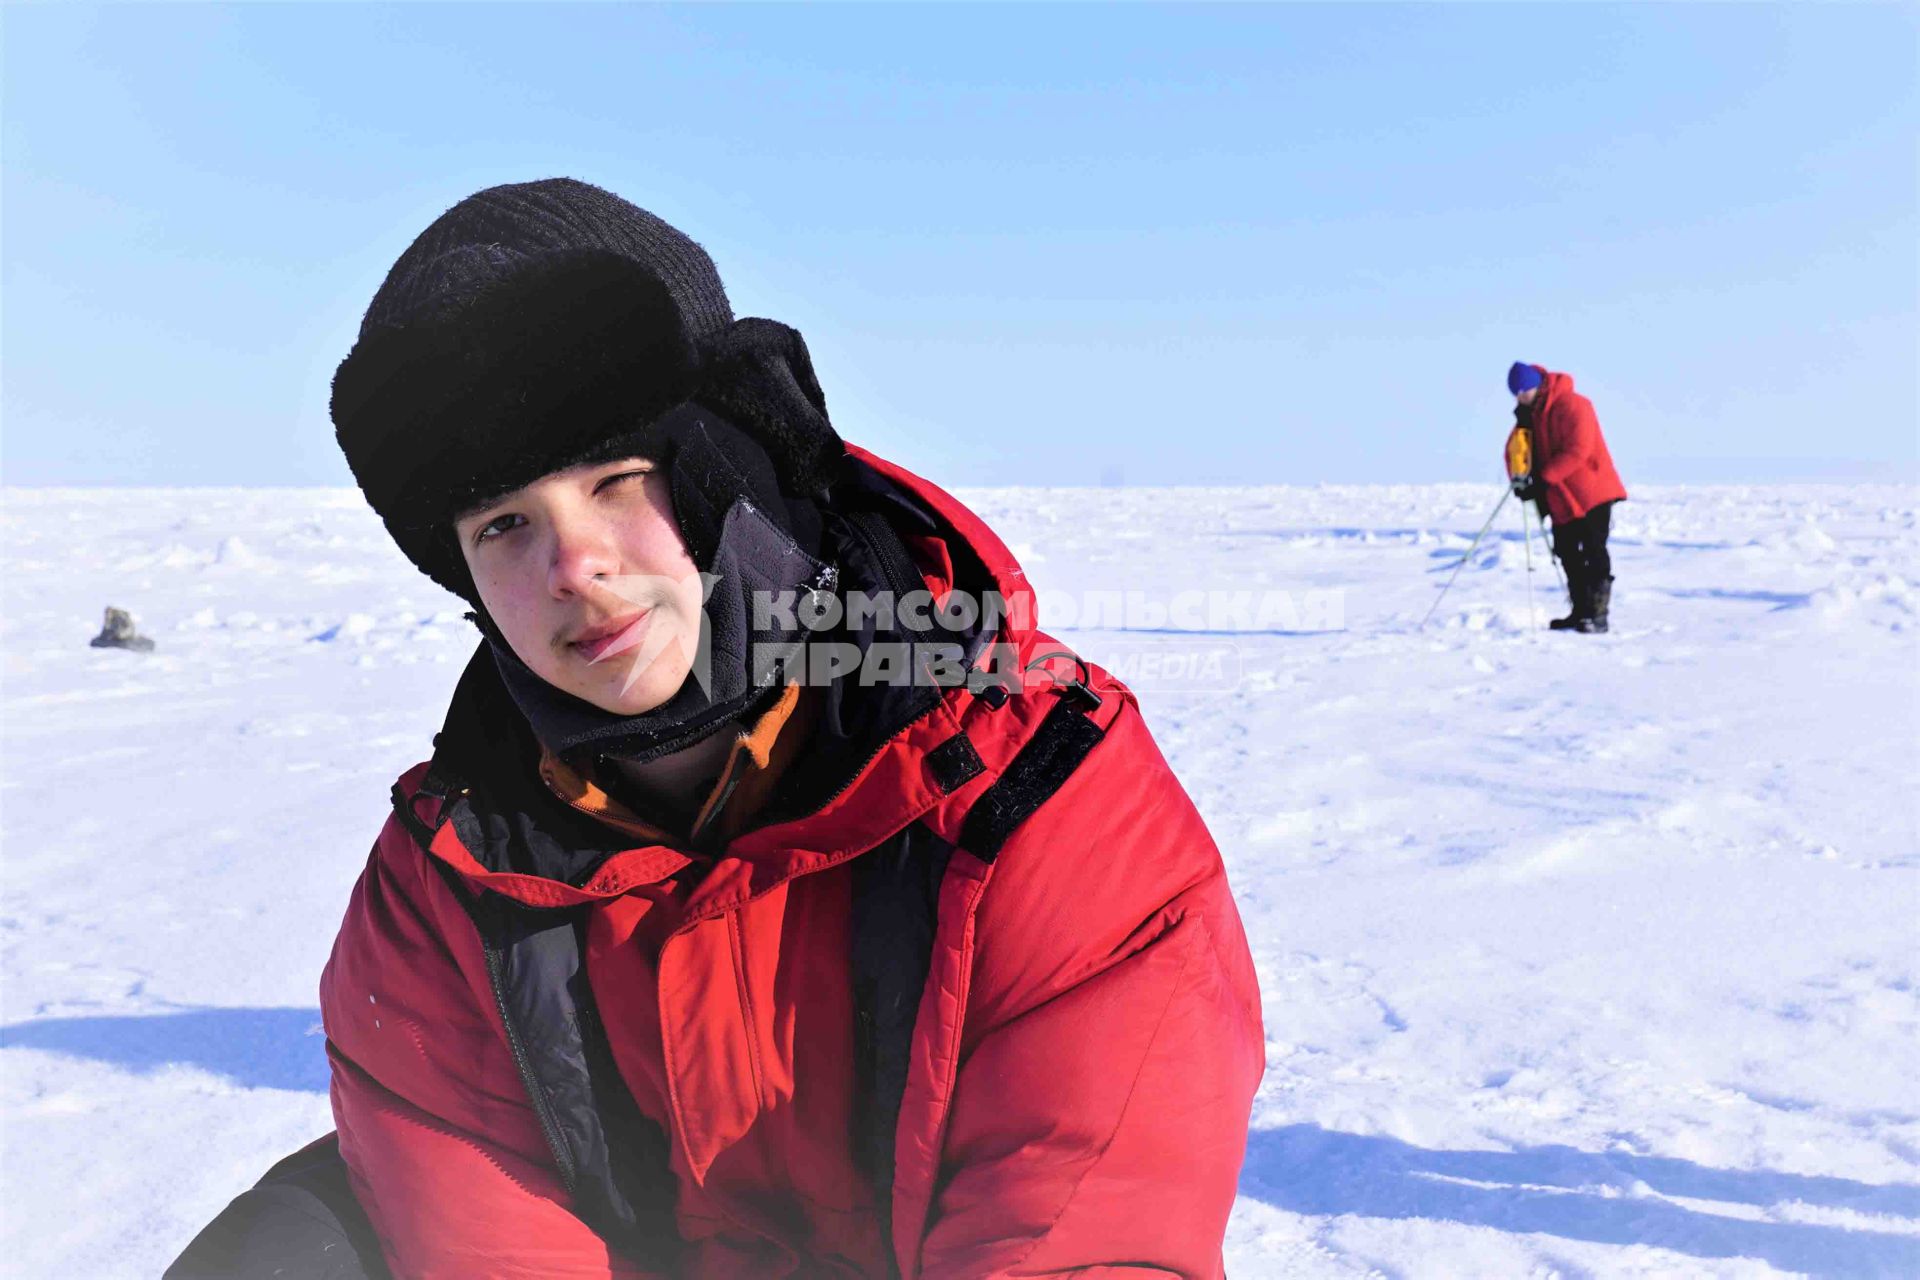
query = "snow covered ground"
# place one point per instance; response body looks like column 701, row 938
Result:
column 1581, row 955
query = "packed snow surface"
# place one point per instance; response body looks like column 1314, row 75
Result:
column 1581, row 955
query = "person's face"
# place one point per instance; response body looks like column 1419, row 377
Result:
column 1527, row 396
column 586, row 575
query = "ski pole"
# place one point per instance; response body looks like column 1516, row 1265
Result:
column 1526, row 539
column 1463, row 559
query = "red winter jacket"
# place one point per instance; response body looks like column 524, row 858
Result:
column 1569, row 454
column 1081, row 1064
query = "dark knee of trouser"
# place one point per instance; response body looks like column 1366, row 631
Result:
column 300, row 1222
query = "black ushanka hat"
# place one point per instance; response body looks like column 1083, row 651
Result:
column 541, row 325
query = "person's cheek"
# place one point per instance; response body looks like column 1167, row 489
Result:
column 688, row 592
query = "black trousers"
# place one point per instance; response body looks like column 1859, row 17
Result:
column 300, row 1222
column 1582, row 546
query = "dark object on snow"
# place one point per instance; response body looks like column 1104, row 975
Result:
column 117, row 632
column 300, row 1222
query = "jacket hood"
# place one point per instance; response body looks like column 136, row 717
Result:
column 997, row 564
column 1556, row 384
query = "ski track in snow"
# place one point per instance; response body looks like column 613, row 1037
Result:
column 1581, row 956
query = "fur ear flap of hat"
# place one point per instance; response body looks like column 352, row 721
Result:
column 759, row 375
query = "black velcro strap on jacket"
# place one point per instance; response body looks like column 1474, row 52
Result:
column 1049, row 758
column 954, row 763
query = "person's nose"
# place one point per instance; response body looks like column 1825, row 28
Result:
column 583, row 555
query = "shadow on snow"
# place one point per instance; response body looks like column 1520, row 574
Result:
column 1580, row 1195
column 1778, row 599
column 256, row 1048
column 1553, row 1190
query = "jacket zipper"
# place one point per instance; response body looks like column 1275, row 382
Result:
column 873, row 755
column 497, row 980
column 717, row 805
column 900, row 572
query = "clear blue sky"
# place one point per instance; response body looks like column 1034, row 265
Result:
column 1065, row 244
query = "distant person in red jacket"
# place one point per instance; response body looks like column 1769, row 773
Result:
column 774, row 904
column 1574, row 482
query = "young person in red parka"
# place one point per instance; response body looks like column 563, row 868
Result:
column 733, row 930
column 1574, row 483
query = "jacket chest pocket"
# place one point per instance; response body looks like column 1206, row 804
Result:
column 713, row 1037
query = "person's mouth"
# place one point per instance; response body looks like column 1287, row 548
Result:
column 598, row 643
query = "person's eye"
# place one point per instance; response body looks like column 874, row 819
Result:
column 493, row 528
column 618, row 476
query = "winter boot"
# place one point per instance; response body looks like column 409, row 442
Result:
column 1599, row 600
column 1577, row 594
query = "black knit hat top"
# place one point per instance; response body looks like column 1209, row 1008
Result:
column 524, row 220
column 541, row 325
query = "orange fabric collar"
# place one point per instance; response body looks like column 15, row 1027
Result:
column 758, row 756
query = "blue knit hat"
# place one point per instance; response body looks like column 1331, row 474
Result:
column 1523, row 377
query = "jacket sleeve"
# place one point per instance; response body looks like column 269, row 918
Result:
column 1576, row 438
column 1113, row 1041
column 441, row 1145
